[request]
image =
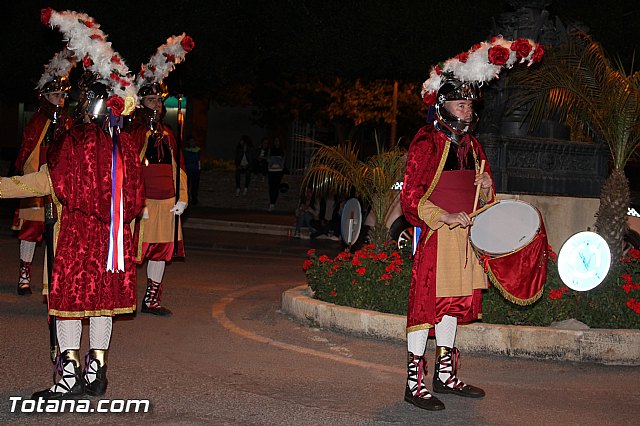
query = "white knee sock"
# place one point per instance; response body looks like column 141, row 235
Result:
column 155, row 270
column 446, row 331
column 417, row 342
column 26, row 250
column 100, row 332
column 69, row 333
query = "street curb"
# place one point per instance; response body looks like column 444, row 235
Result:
column 613, row 347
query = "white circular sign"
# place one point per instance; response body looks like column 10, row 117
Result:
column 584, row 261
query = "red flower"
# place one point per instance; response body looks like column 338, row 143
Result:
column 354, row 281
column 538, row 53
column 115, row 59
column 116, row 103
column 96, row 37
column 343, row 255
column 330, row 273
column 333, row 293
column 521, row 47
column 88, row 23
column 429, row 98
column 552, row 254
column 187, row 43
column 626, row 278
column 555, row 294
column 336, row 266
column 498, row 55
column 385, row 277
column 170, row 58
column 45, row 15
column 356, row 261
column 361, row 271
column 310, row 251
column 87, row 62
column 462, row 57
column 152, row 68
column 635, row 253
column 438, row 70
column 307, row 264
column 633, row 304
column 475, row 47
column 324, row 258
column 382, row 256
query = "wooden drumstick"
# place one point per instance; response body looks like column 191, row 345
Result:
column 475, row 201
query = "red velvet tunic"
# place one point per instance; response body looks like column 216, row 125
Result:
column 80, row 171
column 423, row 160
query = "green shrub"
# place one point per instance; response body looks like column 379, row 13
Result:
column 378, row 279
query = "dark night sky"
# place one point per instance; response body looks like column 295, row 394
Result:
column 240, row 41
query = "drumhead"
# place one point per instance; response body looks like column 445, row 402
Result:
column 505, row 227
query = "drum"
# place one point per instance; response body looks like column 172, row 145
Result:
column 505, row 227
column 510, row 241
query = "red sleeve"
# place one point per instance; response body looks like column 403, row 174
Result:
column 30, row 138
column 422, row 163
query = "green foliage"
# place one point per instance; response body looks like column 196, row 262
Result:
column 338, row 168
column 370, row 278
column 366, row 280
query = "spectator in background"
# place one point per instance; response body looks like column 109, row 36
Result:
column 244, row 160
column 306, row 213
column 192, row 164
column 327, row 224
column 275, row 171
column 262, row 162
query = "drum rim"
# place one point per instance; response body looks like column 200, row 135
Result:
column 496, row 255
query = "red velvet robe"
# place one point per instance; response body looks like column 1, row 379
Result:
column 80, row 171
column 423, row 158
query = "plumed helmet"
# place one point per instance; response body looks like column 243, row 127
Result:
column 92, row 102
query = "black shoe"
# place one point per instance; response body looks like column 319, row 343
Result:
column 430, row 402
column 447, row 362
column 468, row 391
column 160, row 311
column 68, row 357
column 99, row 385
column 24, row 289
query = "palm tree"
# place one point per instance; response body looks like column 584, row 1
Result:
column 580, row 85
column 372, row 181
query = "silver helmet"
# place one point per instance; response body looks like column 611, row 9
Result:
column 453, row 89
column 92, row 104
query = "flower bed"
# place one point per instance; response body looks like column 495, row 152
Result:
column 378, row 279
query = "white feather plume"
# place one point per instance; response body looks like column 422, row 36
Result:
column 163, row 61
column 85, row 38
column 59, row 66
column 474, row 65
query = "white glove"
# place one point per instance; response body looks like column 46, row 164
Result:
column 178, row 209
column 145, row 213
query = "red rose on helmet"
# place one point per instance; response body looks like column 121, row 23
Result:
column 462, row 57
column 521, row 47
column 116, row 103
column 45, row 15
column 187, row 43
column 498, row 55
column 89, row 24
column 429, row 98
column 86, row 61
column 538, row 52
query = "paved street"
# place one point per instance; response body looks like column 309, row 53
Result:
column 229, row 356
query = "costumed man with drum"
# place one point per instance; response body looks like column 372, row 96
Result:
column 158, row 241
column 445, row 172
column 48, row 122
column 94, row 177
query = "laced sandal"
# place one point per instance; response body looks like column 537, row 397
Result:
column 447, row 362
column 24, row 280
column 70, row 385
column 95, row 372
column 151, row 303
column 416, row 392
